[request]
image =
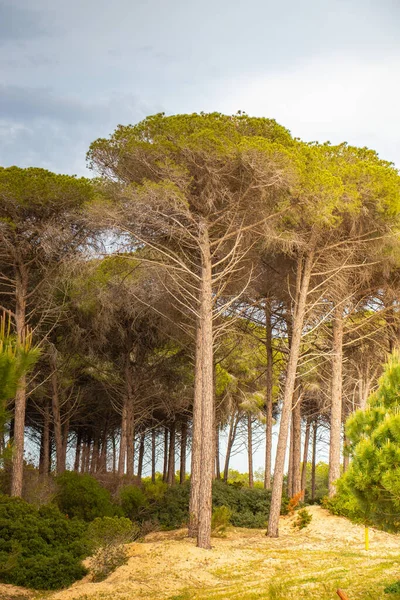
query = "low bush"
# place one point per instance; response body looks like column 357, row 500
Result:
column 40, row 548
column 107, row 536
column 393, row 588
column 83, row 497
column 133, row 501
column 220, row 520
column 344, row 504
column 303, row 519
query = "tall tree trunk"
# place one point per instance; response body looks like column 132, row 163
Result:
column 346, row 458
column 55, row 403
column 303, row 278
column 305, row 458
column 268, row 395
column 153, row 455
column 290, row 463
column 78, row 450
column 114, row 454
column 208, row 408
column 95, row 454
column 17, row 469
column 196, row 437
column 44, row 464
column 171, row 455
column 296, row 443
column 250, row 449
column 234, row 420
column 102, row 466
column 336, row 399
column 165, row 466
column 141, row 456
column 122, row 443
column 182, row 469
column 130, row 426
column 217, row 463
column 314, row 460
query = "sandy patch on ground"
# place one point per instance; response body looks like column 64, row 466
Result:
column 169, row 562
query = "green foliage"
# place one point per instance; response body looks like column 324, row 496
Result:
column 82, row 496
column 39, row 548
column 393, row 588
column 321, row 481
column 373, row 478
column 220, row 520
column 303, row 519
column 133, row 501
column 107, row 536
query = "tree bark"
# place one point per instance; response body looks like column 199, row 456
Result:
column 141, row 456
column 55, row 403
column 130, row 426
column 305, row 458
column 78, row 450
column 17, row 469
column 196, row 438
column 171, row 456
column 44, row 464
column 165, row 466
column 231, row 440
column 296, row 443
column 208, row 408
column 153, row 455
column 336, row 399
column 303, row 276
column 182, row 469
column 290, row 463
column 250, row 449
column 314, row 460
column 122, row 443
column 268, row 398
column 217, row 463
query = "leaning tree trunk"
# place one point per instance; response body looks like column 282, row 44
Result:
column 336, row 399
column 182, row 469
column 196, row 438
column 17, row 469
column 268, row 395
column 296, row 443
column 250, row 450
column 314, row 459
column 208, row 410
column 303, row 278
column 231, row 440
column 305, row 458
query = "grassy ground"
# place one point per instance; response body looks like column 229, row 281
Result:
column 246, row 565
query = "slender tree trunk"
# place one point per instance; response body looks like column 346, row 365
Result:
column 153, row 455
column 130, row 426
column 296, row 443
column 78, row 450
column 95, row 454
column 171, row 456
column 88, row 453
column 141, row 456
column 182, row 469
column 217, row 463
column 45, row 443
column 196, row 438
column 208, row 409
column 17, row 469
column 250, row 449
column 165, row 467
column 336, row 399
column 290, row 463
column 65, row 436
column 305, row 458
column 102, row 466
column 268, row 398
column 114, row 454
column 346, row 457
column 314, row 459
column 122, row 443
column 303, row 276
column 55, row 403
column 231, row 440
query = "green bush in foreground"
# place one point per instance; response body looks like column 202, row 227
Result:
column 83, row 497
column 40, row 548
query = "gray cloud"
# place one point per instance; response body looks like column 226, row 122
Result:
column 19, row 23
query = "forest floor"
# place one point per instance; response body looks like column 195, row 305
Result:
column 246, row 565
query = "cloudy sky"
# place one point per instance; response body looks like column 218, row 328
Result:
column 71, row 71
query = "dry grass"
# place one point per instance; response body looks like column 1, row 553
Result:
column 311, row 563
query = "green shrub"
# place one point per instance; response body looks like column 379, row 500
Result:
column 83, row 497
column 133, row 501
column 220, row 520
column 393, row 588
column 39, row 548
column 107, row 536
column 303, row 519
column 344, row 503
column 172, row 510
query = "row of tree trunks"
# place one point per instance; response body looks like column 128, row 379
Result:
column 269, row 398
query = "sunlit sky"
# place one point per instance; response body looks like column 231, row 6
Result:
column 72, row 71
